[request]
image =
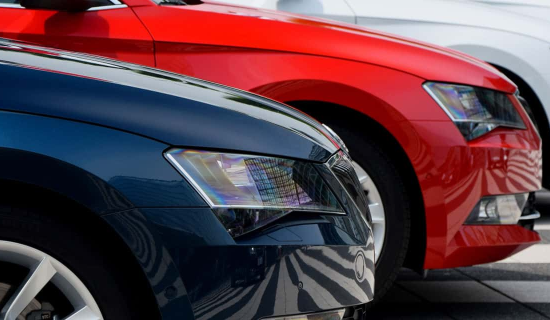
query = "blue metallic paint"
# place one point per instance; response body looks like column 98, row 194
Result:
column 100, row 143
column 98, row 167
column 174, row 109
column 314, row 270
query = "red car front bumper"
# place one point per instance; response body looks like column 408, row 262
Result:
column 455, row 174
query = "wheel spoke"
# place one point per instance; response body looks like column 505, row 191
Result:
column 362, row 176
column 377, row 213
column 38, row 277
column 84, row 314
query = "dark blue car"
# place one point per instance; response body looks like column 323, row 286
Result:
column 131, row 193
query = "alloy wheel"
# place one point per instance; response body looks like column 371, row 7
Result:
column 27, row 296
column 376, row 208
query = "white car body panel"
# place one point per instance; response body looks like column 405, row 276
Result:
column 513, row 41
column 534, row 8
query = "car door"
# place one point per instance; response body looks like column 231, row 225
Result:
column 110, row 29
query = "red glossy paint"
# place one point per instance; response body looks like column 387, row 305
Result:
column 292, row 58
column 112, row 33
column 477, row 244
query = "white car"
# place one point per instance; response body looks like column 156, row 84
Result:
column 533, row 8
column 517, row 44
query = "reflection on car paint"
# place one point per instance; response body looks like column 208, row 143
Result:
column 264, row 276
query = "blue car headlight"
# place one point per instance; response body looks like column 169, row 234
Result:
column 475, row 111
column 247, row 192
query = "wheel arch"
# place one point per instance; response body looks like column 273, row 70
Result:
column 18, row 194
column 322, row 109
column 98, row 169
column 62, row 178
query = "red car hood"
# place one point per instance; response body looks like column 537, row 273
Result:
column 243, row 27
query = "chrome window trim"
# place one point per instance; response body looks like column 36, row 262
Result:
column 115, row 5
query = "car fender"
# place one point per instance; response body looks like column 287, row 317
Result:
column 103, row 167
column 525, row 56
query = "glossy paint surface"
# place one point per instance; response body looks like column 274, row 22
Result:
column 235, row 27
column 459, row 174
column 295, row 267
column 535, row 8
column 112, row 33
column 484, row 244
column 496, row 31
column 100, row 168
column 215, row 117
column 376, row 74
column 91, row 132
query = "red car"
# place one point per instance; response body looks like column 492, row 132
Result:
column 446, row 153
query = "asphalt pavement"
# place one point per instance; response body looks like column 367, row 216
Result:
column 516, row 288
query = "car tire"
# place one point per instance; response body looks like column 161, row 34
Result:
column 383, row 172
column 86, row 253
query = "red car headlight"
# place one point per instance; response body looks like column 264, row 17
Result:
column 475, row 111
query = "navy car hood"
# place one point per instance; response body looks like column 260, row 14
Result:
column 174, row 109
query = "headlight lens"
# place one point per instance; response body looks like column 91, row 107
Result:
column 247, row 192
column 475, row 111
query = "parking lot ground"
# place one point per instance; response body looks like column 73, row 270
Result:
column 516, row 288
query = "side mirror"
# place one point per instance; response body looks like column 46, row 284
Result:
column 63, row 5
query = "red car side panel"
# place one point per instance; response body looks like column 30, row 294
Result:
column 114, row 33
column 239, row 27
column 287, row 77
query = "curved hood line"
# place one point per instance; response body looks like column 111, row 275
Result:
column 167, row 107
column 262, row 30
